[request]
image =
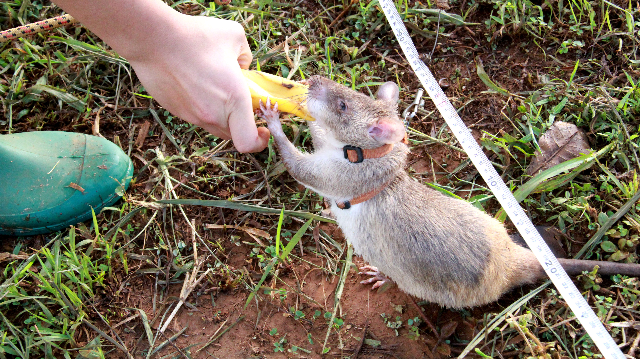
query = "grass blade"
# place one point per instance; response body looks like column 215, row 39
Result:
column 244, row 207
column 267, row 270
column 539, row 182
column 60, row 94
column 280, row 219
column 487, row 81
column 294, row 240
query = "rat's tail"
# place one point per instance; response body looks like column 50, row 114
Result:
column 577, row 266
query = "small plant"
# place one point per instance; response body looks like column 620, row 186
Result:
column 591, row 280
column 413, row 323
column 62, row 277
column 630, row 287
column 279, row 345
column 568, row 45
column 297, row 314
column 393, row 324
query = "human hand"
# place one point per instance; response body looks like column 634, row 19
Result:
column 195, row 74
column 189, row 64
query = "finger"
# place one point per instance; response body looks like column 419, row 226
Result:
column 244, row 132
column 245, row 57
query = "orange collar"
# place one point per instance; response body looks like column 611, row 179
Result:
column 357, row 154
column 361, row 198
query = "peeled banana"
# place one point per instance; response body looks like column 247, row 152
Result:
column 290, row 95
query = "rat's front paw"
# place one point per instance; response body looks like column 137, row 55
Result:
column 271, row 115
column 380, row 280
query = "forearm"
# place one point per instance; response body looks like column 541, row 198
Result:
column 133, row 28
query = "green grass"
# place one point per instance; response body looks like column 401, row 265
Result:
column 538, row 62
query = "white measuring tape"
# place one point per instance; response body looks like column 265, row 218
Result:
column 554, row 270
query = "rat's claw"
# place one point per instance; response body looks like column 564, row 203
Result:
column 379, row 280
column 270, row 115
column 369, row 268
column 260, row 109
column 379, row 284
column 368, row 281
column 275, row 107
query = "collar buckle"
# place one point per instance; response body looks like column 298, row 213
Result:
column 358, row 151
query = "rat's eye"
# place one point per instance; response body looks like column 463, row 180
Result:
column 343, row 106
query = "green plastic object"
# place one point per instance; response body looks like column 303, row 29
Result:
column 52, row 180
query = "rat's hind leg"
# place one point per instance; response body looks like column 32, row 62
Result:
column 379, row 280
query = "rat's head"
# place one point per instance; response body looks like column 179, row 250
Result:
column 355, row 119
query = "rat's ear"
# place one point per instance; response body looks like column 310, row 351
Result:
column 387, row 130
column 389, row 92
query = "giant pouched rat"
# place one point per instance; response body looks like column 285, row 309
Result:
column 435, row 247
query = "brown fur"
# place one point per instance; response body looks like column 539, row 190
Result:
column 433, row 246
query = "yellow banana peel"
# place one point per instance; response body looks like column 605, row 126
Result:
column 290, row 95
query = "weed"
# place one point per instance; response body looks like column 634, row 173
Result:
column 412, row 324
column 279, row 345
column 393, row 324
column 58, row 280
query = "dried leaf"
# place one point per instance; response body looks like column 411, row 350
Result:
column 443, row 4
column 4, row 256
column 76, row 186
column 562, row 141
column 250, row 231
column 444, row 349
column 143, row 132
column 373, row 343
column 448, row 329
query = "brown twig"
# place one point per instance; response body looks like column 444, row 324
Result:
column 264, row 175
column 190, row 283
column 634, row 346
column 364, row 335
column 424, row 317
column 343, row 13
